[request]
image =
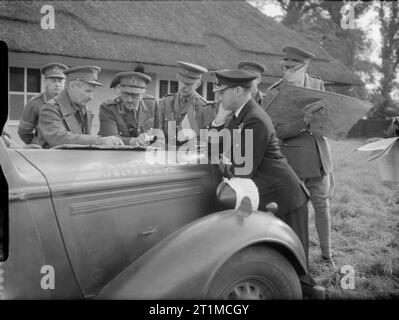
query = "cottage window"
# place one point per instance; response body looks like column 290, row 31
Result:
column 167, row 86
column 25, row 83
column 210, row 95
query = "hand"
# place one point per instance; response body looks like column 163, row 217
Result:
column 140, row 141
column 225, row 166
column 10, row 143
column 111, row 140
column 32, row 146
column 222, row 115
column 318, row 108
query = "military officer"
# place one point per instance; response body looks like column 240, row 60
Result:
column 54, row 81
column 65, row 119
column 274, row 178
column 133, row 114
column 187, row 101
column 308, row 153
column 259, row 69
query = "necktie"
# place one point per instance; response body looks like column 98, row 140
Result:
column 82, row 114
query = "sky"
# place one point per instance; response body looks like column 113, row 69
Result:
column 367, row 23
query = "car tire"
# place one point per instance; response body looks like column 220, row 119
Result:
column 255, row 273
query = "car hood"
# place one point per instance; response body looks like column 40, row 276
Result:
column 84, row 169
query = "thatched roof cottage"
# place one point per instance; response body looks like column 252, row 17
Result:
column 120, row 35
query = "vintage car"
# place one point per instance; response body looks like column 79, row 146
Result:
column 107, row 224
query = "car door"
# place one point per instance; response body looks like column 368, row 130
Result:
column 112, row 206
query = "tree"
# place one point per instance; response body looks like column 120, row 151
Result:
column 320, row 22
column 297, row 10
column 388, row 15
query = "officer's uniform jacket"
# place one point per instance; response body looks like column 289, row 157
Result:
column 173, row 109
column 274, row 178
column 29, row 124
column 116, row 120
column 309, row 154
column 59, row 124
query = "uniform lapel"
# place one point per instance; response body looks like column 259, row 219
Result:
column 68, row 112
column 244, row 111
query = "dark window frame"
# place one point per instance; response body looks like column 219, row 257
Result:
column 24, row 93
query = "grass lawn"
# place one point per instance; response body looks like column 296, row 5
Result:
column 365, row 228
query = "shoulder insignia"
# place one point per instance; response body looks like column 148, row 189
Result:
column 209, row 103
column 203, row 99
column 52, row 101
column 313, row 76
column 112, row 101
column 168, row 96
column 38, row 96
column 199, row 98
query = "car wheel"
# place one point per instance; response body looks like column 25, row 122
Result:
column 255, row 273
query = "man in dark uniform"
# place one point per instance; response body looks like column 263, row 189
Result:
column 259, row 69
column 133, row 114
column 308, row 153
column 65, row 119
column 187, row 101
column 274, row 178
column 54, row 81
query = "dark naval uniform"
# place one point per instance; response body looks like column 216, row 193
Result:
column 117, row 120
column 28, row 128
column 274, row 178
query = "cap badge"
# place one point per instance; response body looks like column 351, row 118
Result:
column 56, row 70
column 133, row 81
column 95, row 74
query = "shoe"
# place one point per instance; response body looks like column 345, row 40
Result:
column 312, row 292
column 328, row 261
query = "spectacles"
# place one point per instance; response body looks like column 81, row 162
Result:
column 285, row 68
column 130, row 95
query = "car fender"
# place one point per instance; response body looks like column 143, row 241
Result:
column 182, row 265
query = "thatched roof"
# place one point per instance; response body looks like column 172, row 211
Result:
column 215, row 34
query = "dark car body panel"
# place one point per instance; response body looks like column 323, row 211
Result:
column 164, row 272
